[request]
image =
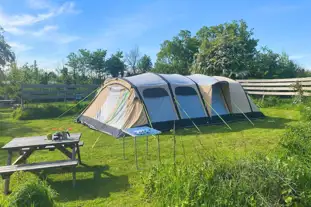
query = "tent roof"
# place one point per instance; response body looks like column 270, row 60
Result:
column 203, row 79
column 176, row 79
column 146, row 79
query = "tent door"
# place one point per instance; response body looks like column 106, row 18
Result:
column 218, row 101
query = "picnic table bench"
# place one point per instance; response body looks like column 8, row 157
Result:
column 27, row 145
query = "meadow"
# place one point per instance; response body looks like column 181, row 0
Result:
column 107, row 179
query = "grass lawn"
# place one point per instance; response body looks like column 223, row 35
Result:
column 109, row 180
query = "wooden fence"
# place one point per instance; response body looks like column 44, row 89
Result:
column 276, row 87
column 55, row 92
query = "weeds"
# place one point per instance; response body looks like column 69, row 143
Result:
column 33, row 193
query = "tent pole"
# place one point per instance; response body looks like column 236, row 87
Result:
column 219, row 116
column 96, row 141
column 123, row 147
column 244, row 114
column 174, row 137
column 187, row 115
column 78, row 103
column 159, row 158
column 147, row 147
column 136, row 162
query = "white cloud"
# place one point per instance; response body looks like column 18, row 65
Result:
column 14, row 30
column 48, row 33
column 68, row 7
column 45, row 30
column 13, row 23
column 19, row 47
column 23, row 19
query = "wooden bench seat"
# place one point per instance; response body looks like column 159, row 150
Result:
column 8, row 170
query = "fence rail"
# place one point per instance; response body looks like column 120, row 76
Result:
column 55, row 92
column 276, row 87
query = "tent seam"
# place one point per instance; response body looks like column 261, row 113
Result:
column 201, row 96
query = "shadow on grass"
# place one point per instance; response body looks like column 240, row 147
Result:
column 3, row 155
column 15, row 129
column 265, row 123
column 100, row 185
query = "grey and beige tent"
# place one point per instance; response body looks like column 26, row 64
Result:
column 162, row 100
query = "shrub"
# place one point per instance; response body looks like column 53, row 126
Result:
column 33, row 193
column 259, row 182
column 47, row 111
column 271, row 101
column 297, row 142
column 305, row 113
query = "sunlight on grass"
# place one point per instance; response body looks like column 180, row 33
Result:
column 107, row 177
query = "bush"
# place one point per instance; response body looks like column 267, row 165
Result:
column 297, row 142
column 259, row 182
column 305, row 113
column 47, row 111
column 33, row 193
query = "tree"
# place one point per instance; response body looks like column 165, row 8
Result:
column 132, row 59
column 35, row 70
column 97, row 63
column 115, row 66
column 269, row 64
column 73, row 63
column 64, row 76
column 144, row 64
column 6, row 54
column 84, row 59
column 15, row 79
column 176, row 56
column 45, row 77
column 226, row 49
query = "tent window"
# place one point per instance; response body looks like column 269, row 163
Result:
column 185, row 91
column 154, row 92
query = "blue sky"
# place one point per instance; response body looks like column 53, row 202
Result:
column 48, row 30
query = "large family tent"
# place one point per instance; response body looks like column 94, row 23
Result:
column 164, row 100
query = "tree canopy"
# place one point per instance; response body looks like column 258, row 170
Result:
column 228, row 49
column 6, row 54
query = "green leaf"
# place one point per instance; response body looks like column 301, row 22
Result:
column 288, row 199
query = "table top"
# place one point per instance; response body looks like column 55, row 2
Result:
column 141, row 131
column 37, row 141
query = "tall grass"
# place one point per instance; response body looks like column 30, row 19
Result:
column 32, row 193
column 258, row 182
column 280, row 179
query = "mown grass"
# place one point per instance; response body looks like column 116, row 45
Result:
column 109, row 180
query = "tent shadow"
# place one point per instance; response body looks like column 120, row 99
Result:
column 237, row 126
column 100, row 185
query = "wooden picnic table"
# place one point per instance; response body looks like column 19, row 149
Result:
column 27, row 145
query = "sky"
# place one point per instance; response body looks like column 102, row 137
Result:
column 48, row 30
